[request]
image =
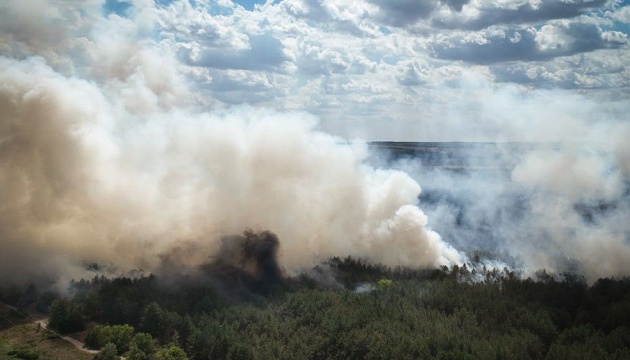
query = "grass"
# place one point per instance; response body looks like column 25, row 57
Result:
column 28, row 342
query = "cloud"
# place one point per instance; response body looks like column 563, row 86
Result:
column 550, row 41
column 412, row 73
column 516, row 13
column 621, row 14
column 264, row 52
column 403, row 12
column 321, row 56
column 596, row 70
column 205, row 40
column 477, row 15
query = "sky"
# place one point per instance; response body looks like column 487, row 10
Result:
column 411, row 70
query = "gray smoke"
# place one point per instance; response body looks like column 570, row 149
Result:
column 555, row 206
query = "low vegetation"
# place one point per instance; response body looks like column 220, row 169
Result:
column 28, row 342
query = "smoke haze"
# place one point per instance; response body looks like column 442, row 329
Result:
column 109, row 153
column 555, row 206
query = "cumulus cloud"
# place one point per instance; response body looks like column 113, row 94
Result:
column 322, row 55
column 488, row 13
column 596, row 70
column 404, row 12
column 550, row 41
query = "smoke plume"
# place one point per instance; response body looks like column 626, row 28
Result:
column 107, row 157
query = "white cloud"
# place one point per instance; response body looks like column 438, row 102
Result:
column 555, row 39
column 621, row 14
column 368, row 68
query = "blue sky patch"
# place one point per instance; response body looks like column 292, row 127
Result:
column 118, row 7
column 249, row 4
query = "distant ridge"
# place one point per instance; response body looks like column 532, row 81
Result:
column 460, row 156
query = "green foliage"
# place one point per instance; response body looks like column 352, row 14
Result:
column 118, row 335
column 166, row 326
column 152, row 319
column 448, row 313
column 24, row 354
column 64, row 317
column 170, row 353
column 142, row 347
column 108, row 352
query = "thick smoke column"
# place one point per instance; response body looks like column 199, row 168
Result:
column 105, row 158
column 249, row 260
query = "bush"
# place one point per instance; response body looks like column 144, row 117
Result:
column 170, row 353
column 24, row 354
column 109, row 352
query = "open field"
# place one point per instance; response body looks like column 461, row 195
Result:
column 22, row 339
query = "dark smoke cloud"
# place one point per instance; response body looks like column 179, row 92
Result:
column 243, row 266
column 251, row 258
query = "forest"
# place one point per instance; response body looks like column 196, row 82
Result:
column 346, row 308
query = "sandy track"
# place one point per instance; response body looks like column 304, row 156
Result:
column 40, row 320
column 43, row 323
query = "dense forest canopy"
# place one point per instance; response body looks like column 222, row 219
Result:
column 347, row 308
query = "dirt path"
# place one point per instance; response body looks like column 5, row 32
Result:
column 43, row 323
column 41, row 320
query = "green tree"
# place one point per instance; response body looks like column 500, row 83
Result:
column 171, row 352
column 93, row 338
column 152, row 320
column 142, row 347
column 119, row 335
column 109, row 352
column 64, row 317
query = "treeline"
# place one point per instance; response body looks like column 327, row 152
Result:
column 351, row 309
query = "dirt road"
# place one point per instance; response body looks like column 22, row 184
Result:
column 41, row 320
column 43, row 323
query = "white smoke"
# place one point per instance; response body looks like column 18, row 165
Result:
column 107, row 156
column 559, row 205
